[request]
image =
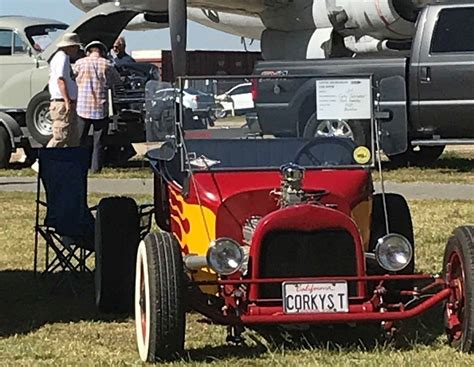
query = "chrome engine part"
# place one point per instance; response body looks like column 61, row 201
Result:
column 249, row 228
column 290, row 192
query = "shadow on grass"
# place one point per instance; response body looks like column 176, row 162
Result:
column 448, row 162
column 138, row 163
column 27, row 303
column 19, row 165
column 423, row 330
column 210, row 354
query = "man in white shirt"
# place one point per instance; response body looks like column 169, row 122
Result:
column 63, row 90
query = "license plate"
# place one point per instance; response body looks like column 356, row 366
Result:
column 315, row 297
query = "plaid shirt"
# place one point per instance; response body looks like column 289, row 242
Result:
column 94, row 76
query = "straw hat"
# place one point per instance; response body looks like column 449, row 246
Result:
column 96, row 44
column 69, row 39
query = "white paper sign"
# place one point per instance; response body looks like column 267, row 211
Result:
column 348, row 99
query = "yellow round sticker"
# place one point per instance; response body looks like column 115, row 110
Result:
column 361, row 155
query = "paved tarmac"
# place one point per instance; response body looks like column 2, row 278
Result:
column 145, row 186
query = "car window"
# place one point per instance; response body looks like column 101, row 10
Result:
column 6, row 37
column 41, row 36
column 453, row 31
column 19, row 47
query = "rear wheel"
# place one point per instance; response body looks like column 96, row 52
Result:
column 159, row 298
column 458, row 269
column 418, row 156
column 5, row 148
column 358, row 131
column 38, row 118
column 117, row 234
column 219, row 112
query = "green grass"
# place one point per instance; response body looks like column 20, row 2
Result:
column 132, row 169
column 452, row 167
column 43, row 327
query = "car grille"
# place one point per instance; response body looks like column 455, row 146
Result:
column 295, row 254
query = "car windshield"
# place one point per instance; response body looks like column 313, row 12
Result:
column 264, row 130
column 41, row 36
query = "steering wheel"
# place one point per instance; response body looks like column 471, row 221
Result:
column 333, row 151
column 305, row 151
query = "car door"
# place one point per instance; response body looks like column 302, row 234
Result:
column 446, row 75
column 242, row 98
column 16, row 63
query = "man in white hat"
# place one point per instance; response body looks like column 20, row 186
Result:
column 95, row 75
column 63, row 90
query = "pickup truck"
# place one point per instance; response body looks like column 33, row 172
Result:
column 427, row 97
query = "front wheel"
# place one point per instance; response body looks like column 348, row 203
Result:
column 159, row 298
column 458, row 270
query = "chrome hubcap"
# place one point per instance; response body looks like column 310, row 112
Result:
column 42, row 119
column 339, row 128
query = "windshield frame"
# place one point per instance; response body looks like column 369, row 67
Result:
column 181, row 138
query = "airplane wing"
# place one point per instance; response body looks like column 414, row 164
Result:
column 288, row 29
column 156, row 6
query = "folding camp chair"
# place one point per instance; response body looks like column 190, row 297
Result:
column 68, row 225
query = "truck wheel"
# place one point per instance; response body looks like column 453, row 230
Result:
column 38, row 119
column 159, row 298
column 117, row 234
column 458, row 270
column 422, row 157
column 355, row 130
column 5, row 148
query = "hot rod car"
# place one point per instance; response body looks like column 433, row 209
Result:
column 260, row 231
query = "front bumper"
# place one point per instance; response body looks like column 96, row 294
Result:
column 368, row 309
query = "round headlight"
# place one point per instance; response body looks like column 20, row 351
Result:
column 225, row 256
column 393, row 252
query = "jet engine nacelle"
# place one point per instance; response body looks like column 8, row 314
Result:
column 380, row 19
column 340, row 28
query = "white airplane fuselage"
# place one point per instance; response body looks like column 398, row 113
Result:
column 297, row 29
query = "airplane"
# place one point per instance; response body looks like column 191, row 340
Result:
column 287, row 29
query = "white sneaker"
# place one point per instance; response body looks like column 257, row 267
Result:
column 22, row 158
column 35, row 166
